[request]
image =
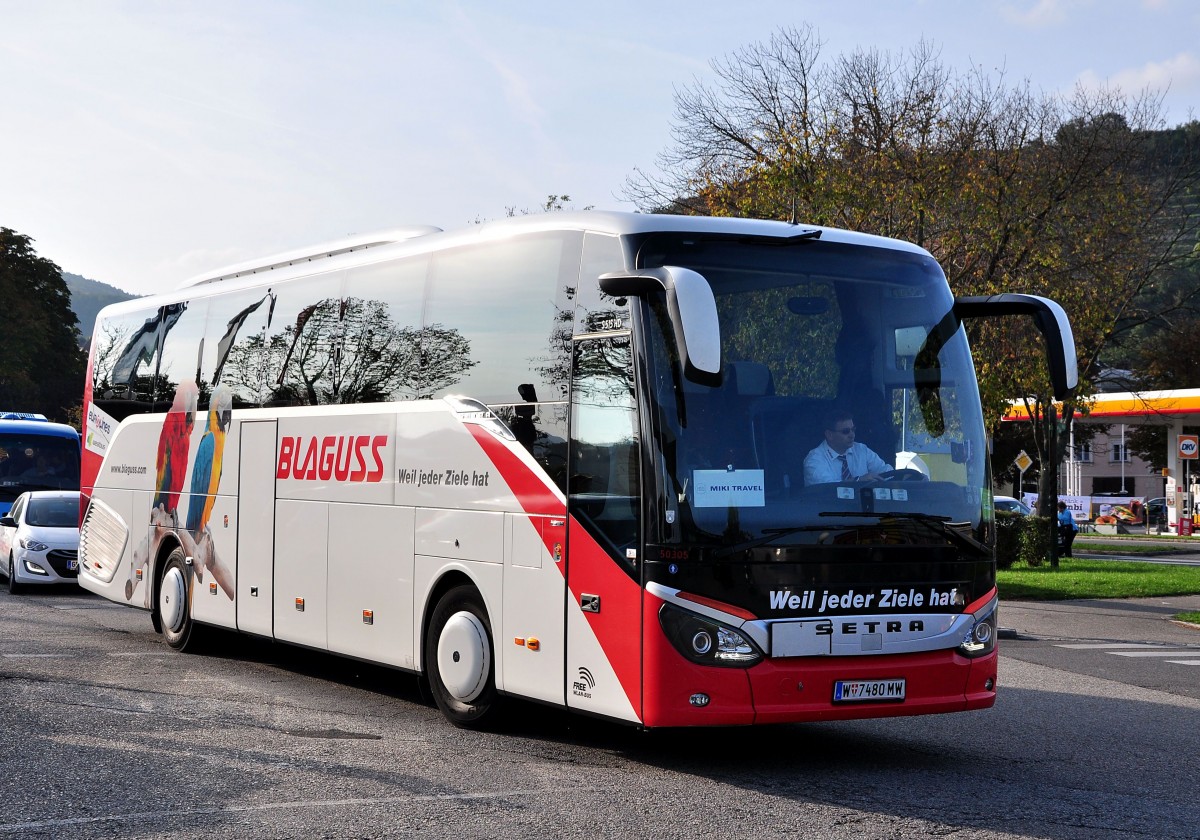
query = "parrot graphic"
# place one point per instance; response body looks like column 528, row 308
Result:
column 171, row 468
column 206, row 473
column 173, row 444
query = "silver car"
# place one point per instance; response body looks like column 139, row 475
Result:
column 39, row 539
column 1011, row 505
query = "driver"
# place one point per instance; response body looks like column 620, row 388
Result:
column 839, row 458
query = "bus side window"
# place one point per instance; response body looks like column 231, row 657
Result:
column 125, row 361
column 293, row 359
column 180, row 360
column 497, row 313
column 383, row 344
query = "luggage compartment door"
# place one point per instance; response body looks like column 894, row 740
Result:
column 256, row 527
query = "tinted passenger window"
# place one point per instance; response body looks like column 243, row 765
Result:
column 125, row 359
column 384, row 354
column 492, row 318
column 302, row 344
column 179, row 367
column 235, row 353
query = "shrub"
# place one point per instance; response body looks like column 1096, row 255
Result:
column 1023, row 538
column 1008, row 537
column 1036, row 535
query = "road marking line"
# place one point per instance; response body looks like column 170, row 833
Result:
column 1184, row 661
column 1103, row 646
column 1147, row 653
column 157, row 816
column 139, row 653
column 38, row 655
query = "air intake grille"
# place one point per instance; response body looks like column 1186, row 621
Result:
column 63, row 562
column 102, row 541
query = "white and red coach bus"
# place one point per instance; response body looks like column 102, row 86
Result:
column 562, row 458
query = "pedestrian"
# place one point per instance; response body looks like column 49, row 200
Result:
column 1066, row 528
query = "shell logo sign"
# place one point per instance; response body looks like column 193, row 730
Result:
column 1189, row 446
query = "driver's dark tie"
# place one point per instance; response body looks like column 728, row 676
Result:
column 845, row 469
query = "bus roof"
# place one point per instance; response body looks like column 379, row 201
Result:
column 364, row 249
column 37, row 427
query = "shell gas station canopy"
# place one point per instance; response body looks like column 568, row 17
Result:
column 1173, row 409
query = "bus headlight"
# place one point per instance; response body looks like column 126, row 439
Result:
column 706, row 642
column 980, row 639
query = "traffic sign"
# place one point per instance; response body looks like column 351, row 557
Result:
column 1024, row 462
column 1189, row 446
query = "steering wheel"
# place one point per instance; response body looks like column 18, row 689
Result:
column 904, row 474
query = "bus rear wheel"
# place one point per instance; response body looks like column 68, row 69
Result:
column 174, row 602
column 460, row 661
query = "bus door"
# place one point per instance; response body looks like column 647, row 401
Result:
column 604, row 627
column 256, row 526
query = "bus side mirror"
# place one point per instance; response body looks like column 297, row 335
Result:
column 1051, row 320
column 692, row 309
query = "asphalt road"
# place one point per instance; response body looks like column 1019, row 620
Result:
column 107, row 733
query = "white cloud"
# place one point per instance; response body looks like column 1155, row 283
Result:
column 1179, row 76
column 1042, row 14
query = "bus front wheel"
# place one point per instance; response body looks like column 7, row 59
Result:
column 459, row 659
column 174, row 602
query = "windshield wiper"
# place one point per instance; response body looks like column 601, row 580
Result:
column 937, row 524
column 769, row 535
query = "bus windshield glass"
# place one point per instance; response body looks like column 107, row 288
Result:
column 37, row 462
column 828, row 350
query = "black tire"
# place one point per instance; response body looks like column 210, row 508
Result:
column 14, row 588
column 172, row 603
column 460, row 660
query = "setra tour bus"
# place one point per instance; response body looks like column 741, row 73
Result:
column 562, row 458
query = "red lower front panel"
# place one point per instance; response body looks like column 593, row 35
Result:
column 678, row 692
column 801, row 689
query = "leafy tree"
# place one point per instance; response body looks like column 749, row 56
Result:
column 1010, row 189
column 41, row 366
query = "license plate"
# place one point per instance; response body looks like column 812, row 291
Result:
column 866, row 691
column 72, row 565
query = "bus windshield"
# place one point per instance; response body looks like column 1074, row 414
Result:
column 36, row 462
column 816, row 336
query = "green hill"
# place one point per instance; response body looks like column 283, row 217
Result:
column 88, row 297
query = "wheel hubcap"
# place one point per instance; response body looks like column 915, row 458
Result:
column 171, row 596
column 463, row 657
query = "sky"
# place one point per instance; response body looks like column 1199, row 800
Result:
column 143, row 143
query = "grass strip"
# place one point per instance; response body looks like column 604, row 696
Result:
column 1126, row 548
column 1079, row 577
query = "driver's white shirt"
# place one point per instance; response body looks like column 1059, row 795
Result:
column 821, row 465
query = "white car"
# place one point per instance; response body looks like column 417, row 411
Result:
column 1011, row 505
column 39, row 539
